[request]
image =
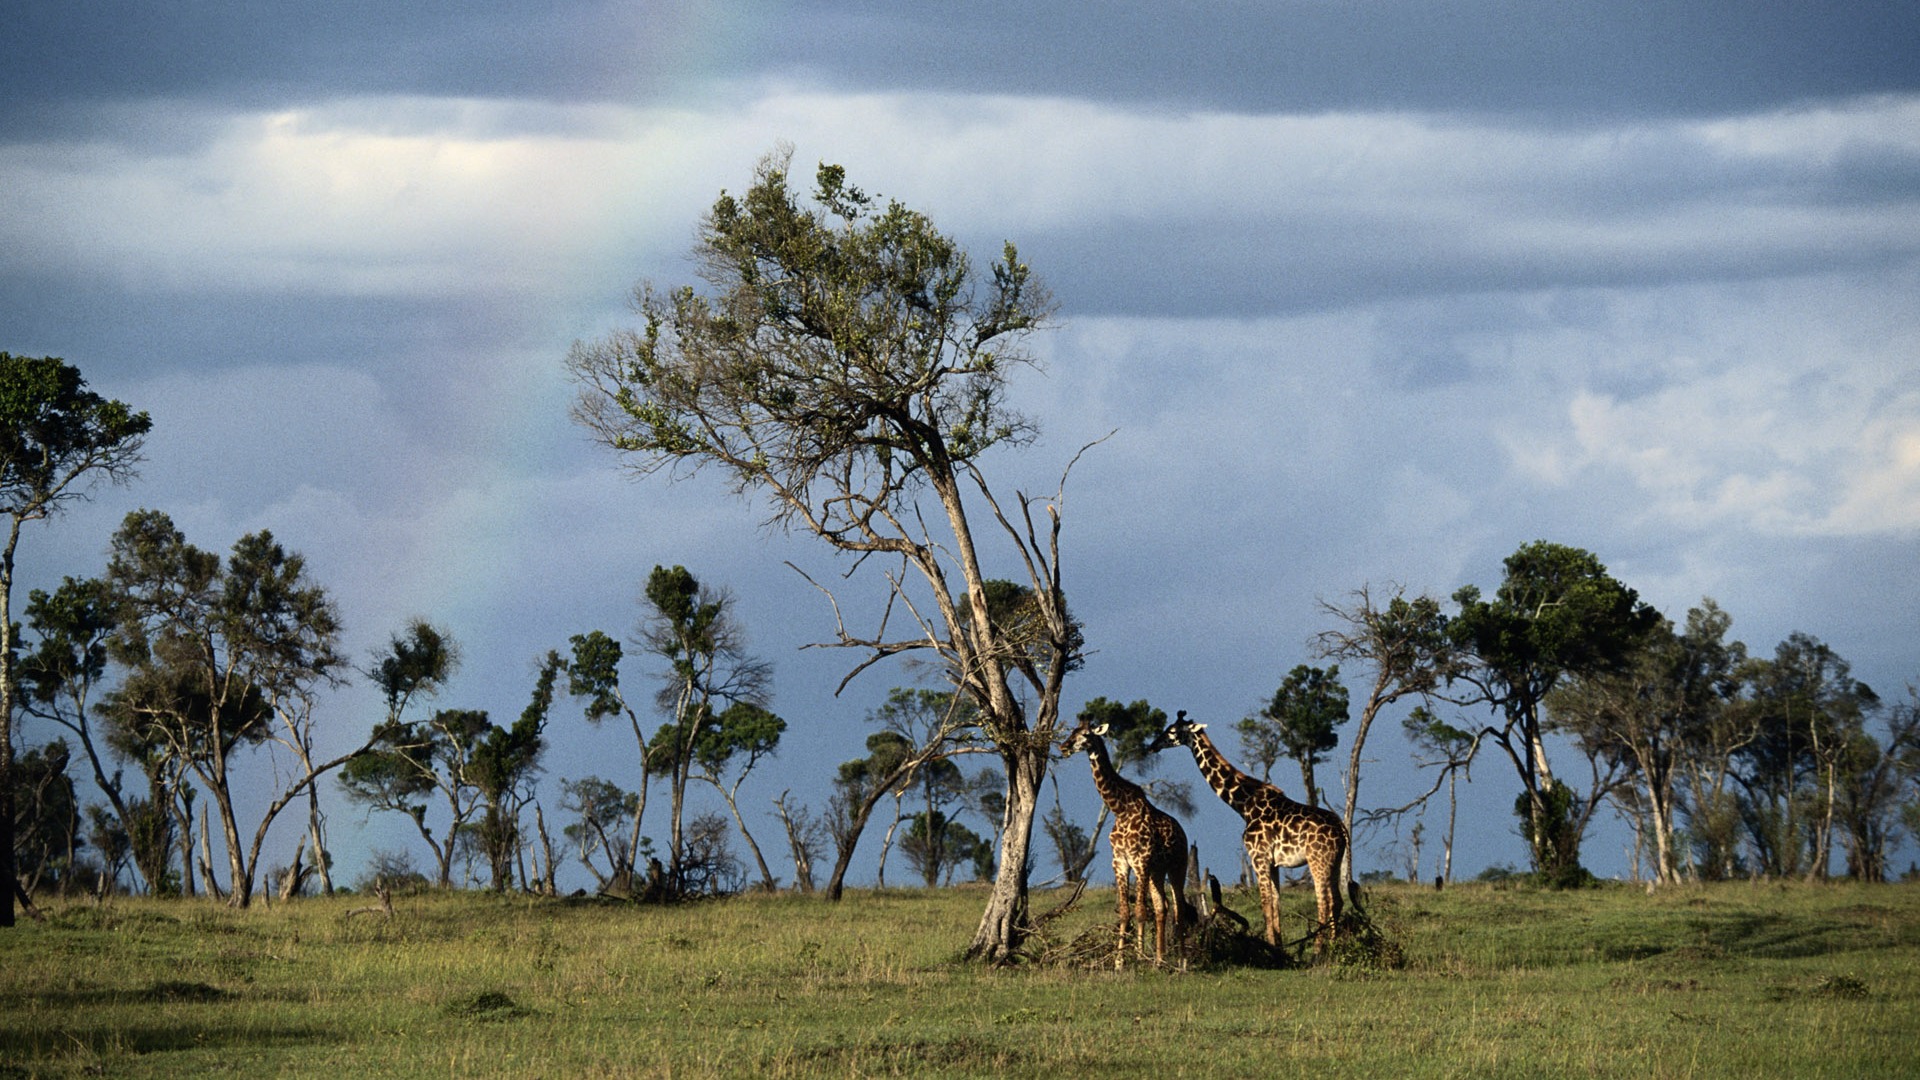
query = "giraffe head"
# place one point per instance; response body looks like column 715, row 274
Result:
column 1077, row 740
column 1181, row 732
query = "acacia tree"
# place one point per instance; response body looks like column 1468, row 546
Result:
column 220, row 658
column 1875, row 778
column 742, row 736
column 501, row 768
column 936, row 845
column 709, row 670
column 1301, row 722
column 603, row 811
column 56, row 437
column 411, row 760
column 1451, row 749
column 806, row 839
column 59, row 676
column 47, row 833
column 848, row 362
column 1404, row 643
column 594, row 674
column 920, row 716
column 1656, row 711
column 858, row 787
column 920, row 730
column 1556, row 613
column 1806, row 708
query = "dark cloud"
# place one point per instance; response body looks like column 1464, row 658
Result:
column 1587, row 60
column 1622, row 57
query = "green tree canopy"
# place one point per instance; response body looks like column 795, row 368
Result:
column 215, row 654
column 56, row 436
column 1301, row 722
column 1556, row 613
column 848, row 361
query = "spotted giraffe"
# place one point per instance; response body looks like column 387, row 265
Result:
column 1146, row 841
column 1280, row 832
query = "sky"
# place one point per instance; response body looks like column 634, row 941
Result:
column 1361, row 294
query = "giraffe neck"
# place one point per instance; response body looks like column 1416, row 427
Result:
column 1234, row 787
column 1120, row 793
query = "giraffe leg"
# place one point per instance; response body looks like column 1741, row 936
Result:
column 1142, row 889
column 1335, row 886
column 1326, row 898
column 1120, row 900
column 1183, row 913
column 1263, row 872
column 1323, row 900
column 1158, row 890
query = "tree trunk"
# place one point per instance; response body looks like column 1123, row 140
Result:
column 886, row 842
column 796, row 843
column 240, row 874
column 1376, row 699
column 295, row 875
column 206, row 858
column 320, row 858
column 1003, row 926
column 9, row 873
column 766, row 875
column 549, row 875
column 1667, row 868
column 179, row 804
column 843, row 856
column 639, row 809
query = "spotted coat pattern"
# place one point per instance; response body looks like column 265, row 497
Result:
column 1146, row 841
column 1280, row 832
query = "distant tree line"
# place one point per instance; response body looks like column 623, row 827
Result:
column 1725, row 764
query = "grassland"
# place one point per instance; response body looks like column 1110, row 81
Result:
column 1732, row 980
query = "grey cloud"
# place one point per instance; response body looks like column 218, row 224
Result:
column 1627, row 57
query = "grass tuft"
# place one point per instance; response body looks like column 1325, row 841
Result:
column 1840, row 986
column 486, row 1005
column 175, row 990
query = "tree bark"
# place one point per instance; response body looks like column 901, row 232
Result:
column 9, row 872
column 1004, row 925
column 766, row 875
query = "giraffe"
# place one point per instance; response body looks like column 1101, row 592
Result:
column 1280, row 832
column 1145, row 840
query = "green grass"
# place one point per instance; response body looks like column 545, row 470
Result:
column 1718, row 981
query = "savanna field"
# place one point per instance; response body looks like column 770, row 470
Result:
column 1479, row 980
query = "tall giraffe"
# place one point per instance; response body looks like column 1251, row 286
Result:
column 1145, row 840
column 1280, row 832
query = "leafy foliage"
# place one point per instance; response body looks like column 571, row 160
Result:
column 55, row 437
column 1556, row 613
column 849, row 361
column 1301, row 722
column 215, row 653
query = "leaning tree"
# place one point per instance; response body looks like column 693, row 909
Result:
column 1403, row 644
column 851, row 364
